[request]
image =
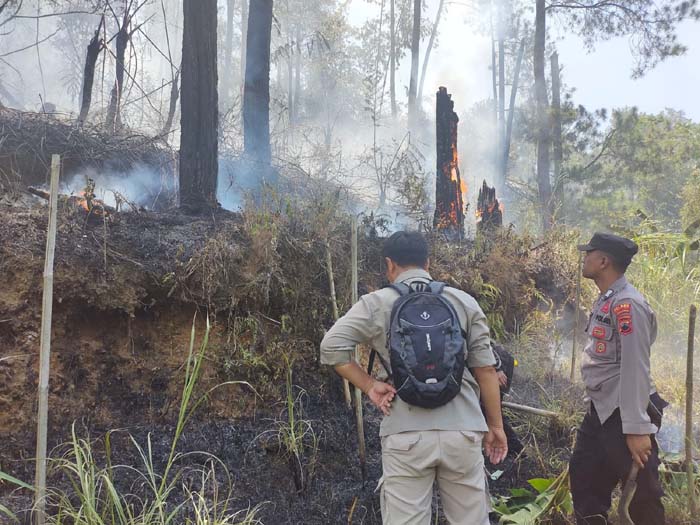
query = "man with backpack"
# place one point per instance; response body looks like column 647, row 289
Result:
column 434, row 342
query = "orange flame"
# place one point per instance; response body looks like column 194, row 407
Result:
column 90, row 206
column 82, row 202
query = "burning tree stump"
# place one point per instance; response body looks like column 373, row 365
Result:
column 489, row 214
column 449, row 200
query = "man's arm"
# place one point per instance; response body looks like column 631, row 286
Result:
column 381, row 394
column 337, row 348
column 495, row 442
column 481, row 361
column 633, row 326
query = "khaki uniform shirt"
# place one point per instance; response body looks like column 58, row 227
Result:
column 616, row 367
column 367, row 322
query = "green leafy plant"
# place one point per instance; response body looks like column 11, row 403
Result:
column 294, row 436
column 525, row 507
column 6, row 478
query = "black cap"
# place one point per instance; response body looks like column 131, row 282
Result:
column 619, row 247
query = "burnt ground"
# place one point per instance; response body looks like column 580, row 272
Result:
column 126, row 292
column 259, row 473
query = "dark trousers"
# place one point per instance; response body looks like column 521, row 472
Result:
column 600, row 461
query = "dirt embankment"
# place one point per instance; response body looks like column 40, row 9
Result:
column 126, row 292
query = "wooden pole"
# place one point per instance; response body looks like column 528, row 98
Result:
column 689, row 413
column 45, row 348
column 529, row 410
column 576, row 311
column 358, row 392
column 336, row 315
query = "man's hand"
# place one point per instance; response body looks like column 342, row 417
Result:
column 496, row 445
column 502, row 378
column 381, row 394
column 640, row 448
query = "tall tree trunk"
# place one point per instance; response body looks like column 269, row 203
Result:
column 557, row 147
column 114, row 109
column 494, row 87
column 543, row 125
column 244, row 41
column 429, row 49
column 199, row 107
column 174, row 96
column 511, row 112
column 226, row 87
column 297, row 77
column 415, row 56
column 256, row 96
column 93, row 52
column 501, row 91
column 392, row 56
column 290, row 81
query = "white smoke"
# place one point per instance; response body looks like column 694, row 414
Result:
column 140, row 186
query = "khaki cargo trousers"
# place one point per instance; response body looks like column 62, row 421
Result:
column 413, row 461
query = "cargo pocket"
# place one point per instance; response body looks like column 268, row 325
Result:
column 402, row 442
column 472, row 436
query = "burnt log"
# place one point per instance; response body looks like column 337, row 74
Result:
column 449, row 201
column 489, row 214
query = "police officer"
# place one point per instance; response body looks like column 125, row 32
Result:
column 624, row 411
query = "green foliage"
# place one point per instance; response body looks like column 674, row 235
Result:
column 666, row 271
column 675, row 486
column 650, row 25
column 646, row 163
column 525, row 507
column 690, row 213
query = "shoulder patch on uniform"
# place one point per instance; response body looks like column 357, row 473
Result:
column 622, row 308
column 624, row 324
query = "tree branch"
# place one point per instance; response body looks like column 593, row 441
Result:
column 30, row 45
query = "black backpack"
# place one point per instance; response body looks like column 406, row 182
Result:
column 426, row 345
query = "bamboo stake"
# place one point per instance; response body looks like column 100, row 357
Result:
column 529, row 410
column 689, row 412
column 358, row 392
column 336, row 315
column 45, row 348
column 576, row 326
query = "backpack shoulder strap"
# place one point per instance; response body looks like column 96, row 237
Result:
column 401, row 288
column 373, row 353
column 437, row 287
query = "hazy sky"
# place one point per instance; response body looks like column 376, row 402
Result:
column 601, row 79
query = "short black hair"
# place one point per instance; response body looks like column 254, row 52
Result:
column 618, row 263
column 407, row 248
